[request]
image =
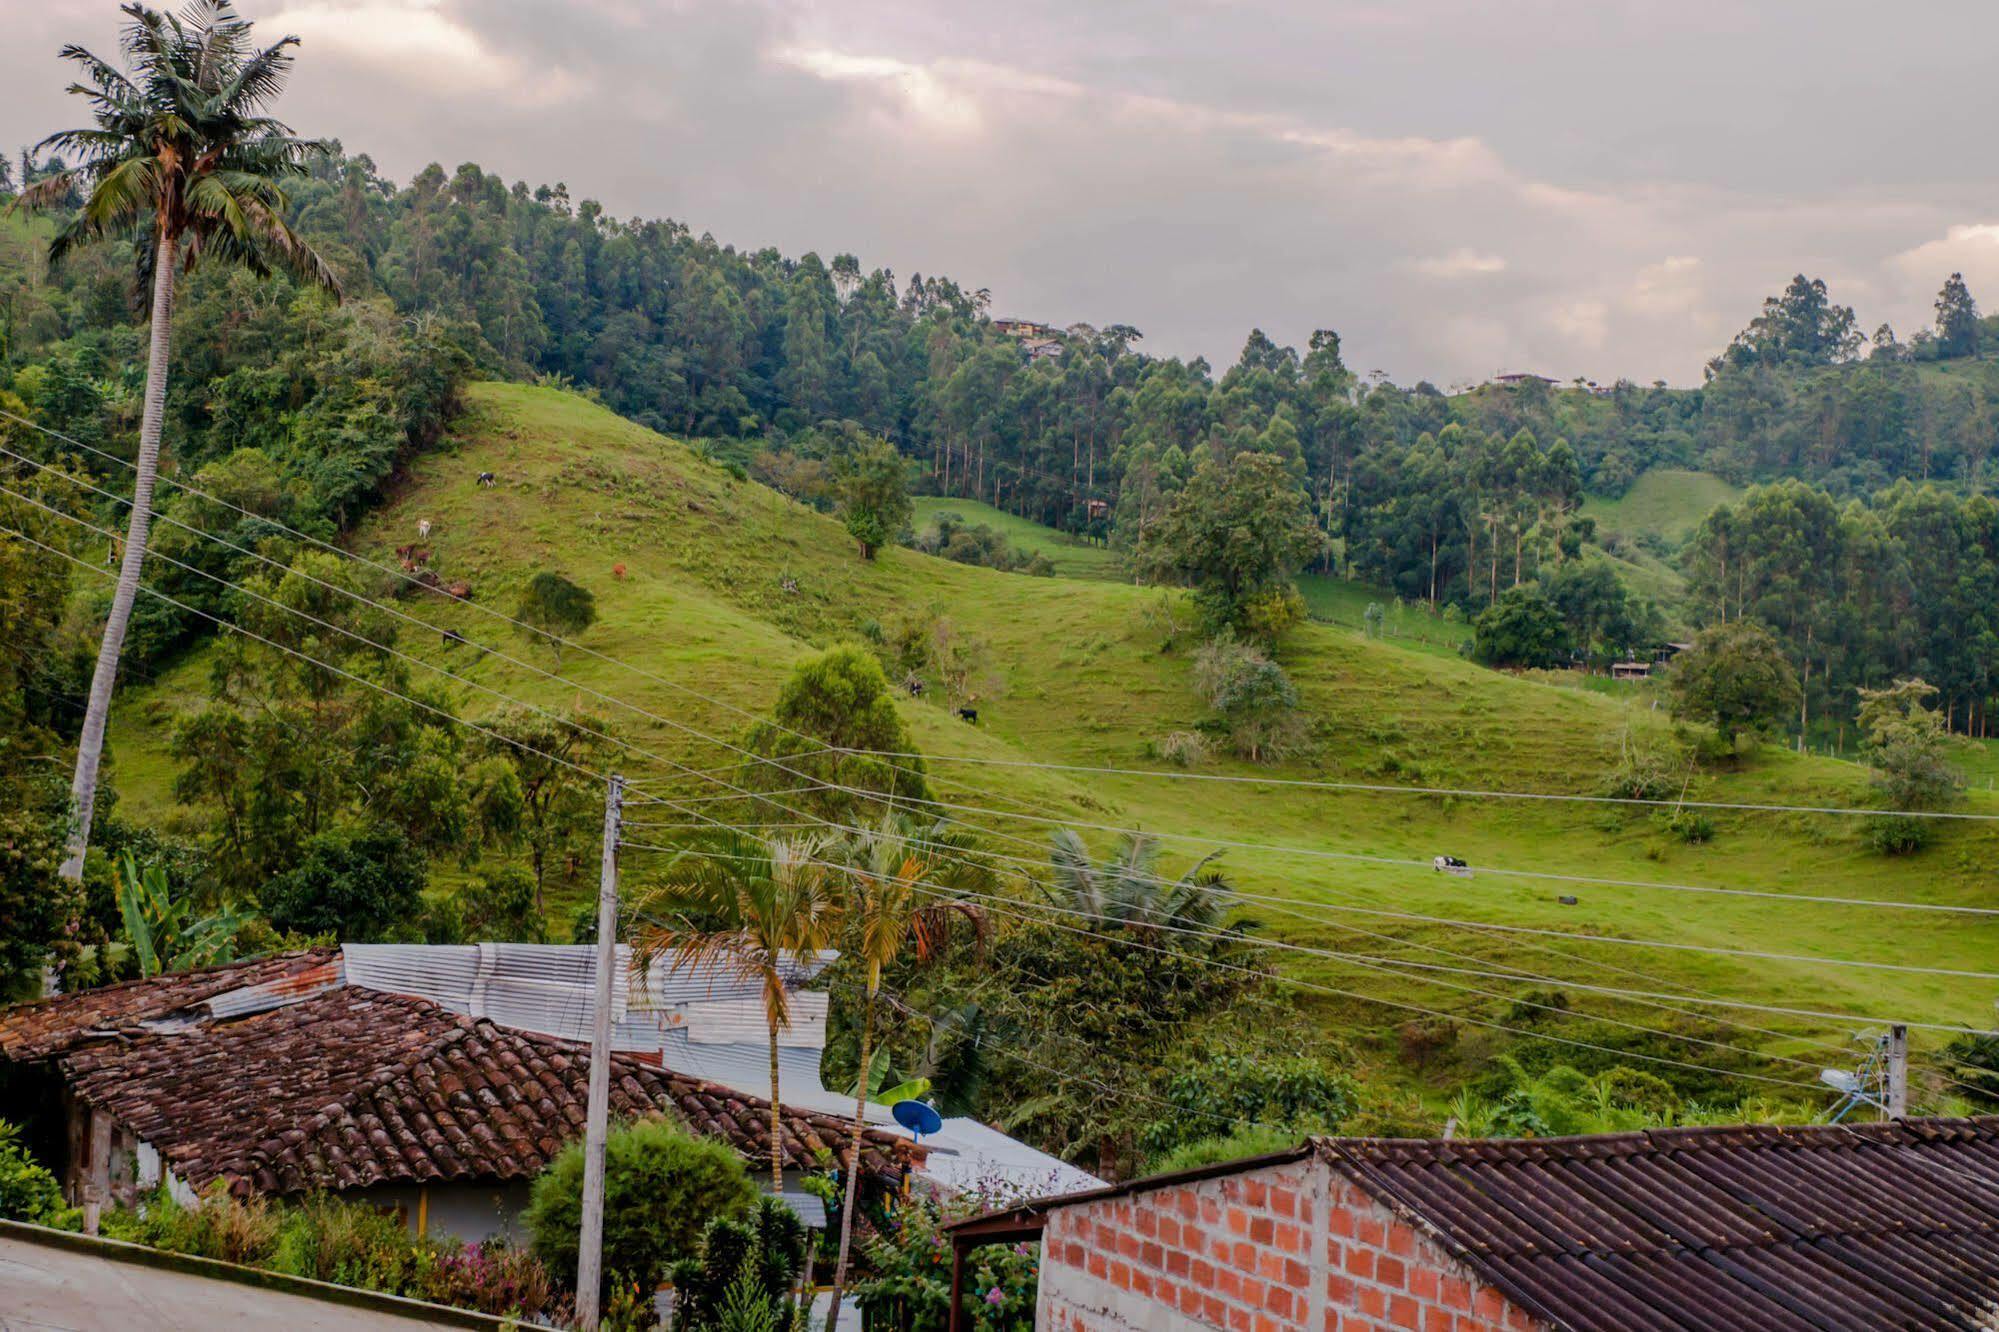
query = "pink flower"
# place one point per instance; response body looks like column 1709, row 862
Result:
column 995, row 1296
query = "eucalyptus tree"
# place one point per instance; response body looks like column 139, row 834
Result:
column 183, row 162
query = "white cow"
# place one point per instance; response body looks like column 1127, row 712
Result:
column 422, row 529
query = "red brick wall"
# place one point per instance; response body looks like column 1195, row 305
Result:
column 1240, row 1253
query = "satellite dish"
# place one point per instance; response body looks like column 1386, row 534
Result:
column 917, row 1117
column 1839, row 1080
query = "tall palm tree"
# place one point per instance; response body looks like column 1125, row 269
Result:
column 755, row 910
column 891, row 902
column 182, row 162
column 1127, row 891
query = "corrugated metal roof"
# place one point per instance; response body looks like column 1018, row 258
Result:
column 743, row 1022
column 1841, row 1226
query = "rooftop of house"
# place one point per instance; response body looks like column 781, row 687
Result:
column 1824, row 1226
column 281, row 1076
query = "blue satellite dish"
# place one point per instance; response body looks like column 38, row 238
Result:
column 917, row 1117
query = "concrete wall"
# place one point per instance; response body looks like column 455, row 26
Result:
column 1287, row 1246
column 475, row 1211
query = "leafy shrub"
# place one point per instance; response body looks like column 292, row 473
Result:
column 1898, row 835
column 1253, row 1140
column 231, row 1230
column 1257, row 703
column 350, row 883
column 1302, row 1094
column 28, row 1192
column 1691, row 826
column 661, row 1187
column 911, row 1283
column 326, row 1239
column 1184, row 749
column 348, row 1243
column 743, row 1278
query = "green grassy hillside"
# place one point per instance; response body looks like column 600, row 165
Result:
column 1091, row 671
column 1668, row 502
column 1072, row 558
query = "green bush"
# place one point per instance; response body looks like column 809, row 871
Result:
column 911, row 1283
column 28, row 1192
column 743, row 1278
column 347, row 1243
column 329, row 1240
column 353, row 884
column 662, row 1186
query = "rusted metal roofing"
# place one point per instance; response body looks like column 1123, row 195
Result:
column 1890, row 1225
column 37, row 1030
column 349, row 1087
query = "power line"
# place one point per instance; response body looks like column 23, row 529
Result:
column 940, row 891
column 1513, row 929
column 1011, row 908
column 326, row 666
column 781, row 762
column 754, row 759
column 1377, row 788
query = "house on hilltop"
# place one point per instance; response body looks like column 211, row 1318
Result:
column 438, row 1081
column 1829, row 1227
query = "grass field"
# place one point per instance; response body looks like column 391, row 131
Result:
column 1072, row 557
column 1092, row 670
column 1668, row 502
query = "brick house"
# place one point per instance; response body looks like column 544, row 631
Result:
column 1871, row 1226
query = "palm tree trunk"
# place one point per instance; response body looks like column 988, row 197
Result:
column 854, row 1154
column 776, row 1120
column 90, row 745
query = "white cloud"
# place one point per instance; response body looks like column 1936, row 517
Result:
column 1462, row 262
column 419, row 42
column 1969, row 248
column 929, row 98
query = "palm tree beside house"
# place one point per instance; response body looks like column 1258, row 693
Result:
column 755, row 910
column 183, row 162
column 894, row 899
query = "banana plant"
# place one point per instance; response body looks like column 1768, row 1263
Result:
column 878, row 1071
column 165, row 934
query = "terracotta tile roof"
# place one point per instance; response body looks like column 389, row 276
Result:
column 37, row 1030
column 352, row 1087
column 1834, row 1226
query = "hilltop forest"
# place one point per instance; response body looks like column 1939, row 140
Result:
column 1435, row 497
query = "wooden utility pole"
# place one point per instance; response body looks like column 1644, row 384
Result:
column 1898, row 1071
column 590, row 1242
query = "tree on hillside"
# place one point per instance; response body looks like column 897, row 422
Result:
column 1957, row 319
column 183, row 161
column 354, row 884
column 557, row 607
column 1604, row 619
column 1908, row 747
column 833, row 726
column 1253, row 698
column 1735, row 678
column 1800, row 327
column 538, row 795
column 287, row 748
column 873, row 487
column 1237, row 532
column 1522, row 628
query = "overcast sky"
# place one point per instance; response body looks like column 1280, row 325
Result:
column 1574, row 187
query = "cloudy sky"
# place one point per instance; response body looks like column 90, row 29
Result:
column 1575, row 187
